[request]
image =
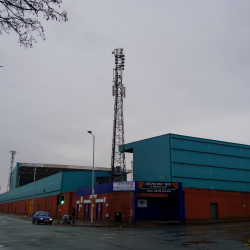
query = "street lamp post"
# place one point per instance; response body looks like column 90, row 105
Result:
column 34, row 182
column 92, row 197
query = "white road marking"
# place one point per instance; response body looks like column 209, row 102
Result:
column 231, row 226
column 3, row 221
column 1, row 245
column 16, row 227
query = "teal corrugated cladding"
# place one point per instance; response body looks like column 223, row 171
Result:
column 151, row 159
column 14, row 183
column 190, row 157
column 73, row 180
column 52, row 185
column 225, row 161
column 194, row 171
column 15, row 176
column 245, row 163
column 194, row 183
column 202, row 163
column 179, row 143
column 196, row 162
column 220, row 149
column 245, row 152
column 48, row 186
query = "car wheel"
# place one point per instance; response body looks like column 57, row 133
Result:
column 33, row 222
column 50, row 223
column 37, row 222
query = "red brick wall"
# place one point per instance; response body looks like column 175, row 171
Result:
column 197, row 204
column 115, row 203
column 230, row 204
column 44, row 203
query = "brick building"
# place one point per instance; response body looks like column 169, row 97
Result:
column 213, row 179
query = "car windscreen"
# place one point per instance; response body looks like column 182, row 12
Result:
column 43, row 213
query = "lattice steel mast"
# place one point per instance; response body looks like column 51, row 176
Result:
column 13, row 153
column 118, row 166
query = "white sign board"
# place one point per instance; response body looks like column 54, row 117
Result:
column 94, row 196
column 98, row 200
column 124, row 186
column 141, row 203
column 86, row 201
column 40, row 165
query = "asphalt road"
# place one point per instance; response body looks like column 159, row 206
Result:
column 22, row 234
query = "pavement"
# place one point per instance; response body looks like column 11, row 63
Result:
column 17, row 232
column 100, row 223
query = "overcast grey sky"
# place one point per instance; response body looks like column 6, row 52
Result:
column 186, row 72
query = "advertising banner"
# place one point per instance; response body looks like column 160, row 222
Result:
column 157, row 187
column 124, row 186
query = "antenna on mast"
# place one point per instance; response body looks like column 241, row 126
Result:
column 118, row 165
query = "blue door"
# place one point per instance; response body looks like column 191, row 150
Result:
column 97, row 205
column 85, row 206
column 158, row 208
column 88, row 210
column 77, row 208
column 100, row 211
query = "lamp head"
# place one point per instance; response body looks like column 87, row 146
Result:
column 90, row 132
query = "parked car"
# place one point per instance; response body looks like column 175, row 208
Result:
column 42, row 217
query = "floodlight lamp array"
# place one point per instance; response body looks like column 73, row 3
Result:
column 119, row 58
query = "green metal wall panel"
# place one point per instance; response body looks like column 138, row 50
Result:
column 245, row 163
column 52, row 185
column 245, row 152
column 224, row 161
column 190, row 157
column 151, row 159
column 191, row 171
column 199, row 146
column 228, row 185
column 214, row 164
column 196, row 162
column 224, row 149
column 44, row 187
column 226, row 174
column 14, row 176
column 194, row 183
column 73, row 180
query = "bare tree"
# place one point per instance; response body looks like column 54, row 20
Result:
column 21, row 16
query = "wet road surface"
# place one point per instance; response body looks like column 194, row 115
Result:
column 22, row 234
